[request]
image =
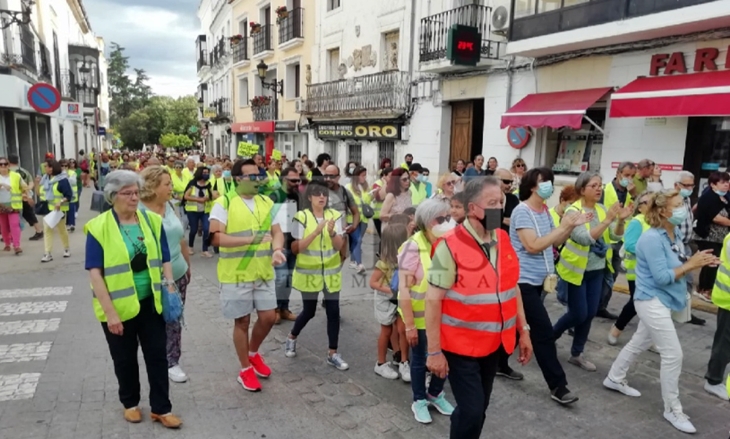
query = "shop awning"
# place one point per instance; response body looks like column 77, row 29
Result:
column 696, row 94
column 555, row 110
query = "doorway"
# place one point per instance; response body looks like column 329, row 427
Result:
column 467, row 130
column 25, row 144
column 707, row 148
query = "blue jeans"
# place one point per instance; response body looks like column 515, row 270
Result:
column 71, row 214
column 284, row 274
column 418, row 371
column 194, row 218
column 583, row 301
column 356, row 243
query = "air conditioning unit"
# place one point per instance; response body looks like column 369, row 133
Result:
column 500, row 20
column 299, row 105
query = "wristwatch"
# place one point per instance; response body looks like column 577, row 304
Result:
column 526, row 328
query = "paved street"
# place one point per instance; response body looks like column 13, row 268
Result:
column 56, row 377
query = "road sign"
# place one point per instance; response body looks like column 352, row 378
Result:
column 44, row 98
column 518, row 137
column 101, row 131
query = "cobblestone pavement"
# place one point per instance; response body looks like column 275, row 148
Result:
column 57, row 381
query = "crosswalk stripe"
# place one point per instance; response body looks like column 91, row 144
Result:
column 29, row 326
column 14, row 309
column 18, row 386
column 21, row 352
column 35, row 292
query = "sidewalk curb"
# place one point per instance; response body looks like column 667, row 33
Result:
column 696, row 303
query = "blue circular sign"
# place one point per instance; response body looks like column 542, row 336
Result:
column 518, row 137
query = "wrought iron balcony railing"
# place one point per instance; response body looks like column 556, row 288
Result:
column 239, row 50
column 219, row 52
column 67, row 87
column 202, row 59
column 222, row 109
column 434, row 38
column 291, row 26
column 386, row 92
column 19, row 50
column 262, row 39
column 264, row 112
column 45, row 72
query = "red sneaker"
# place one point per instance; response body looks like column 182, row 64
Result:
column 247, row 379
column 261, row 369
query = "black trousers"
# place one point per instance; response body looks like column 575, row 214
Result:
column 629, row 311
column 148, row 330
column 471, row 382
column 331, row 304
column 708, row 274
column 720, row 356
column 29, row 214
column 541, row 336
column 378, row 226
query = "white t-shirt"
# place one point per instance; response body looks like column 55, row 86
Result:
column 219, row 213
column 298, row 228
column 4, row 192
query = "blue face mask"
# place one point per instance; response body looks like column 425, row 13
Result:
column 679, row 215
column 226, row 174
column 721, row 193
column 685, row 193
column 625, row 182
column 205, row 177
column 422, row 178
column 545, row 190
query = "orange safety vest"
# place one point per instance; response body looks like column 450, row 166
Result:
column 479, row 312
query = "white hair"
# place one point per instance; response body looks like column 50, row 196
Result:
column 428, row 211
column 684, row 174
column 117, row 180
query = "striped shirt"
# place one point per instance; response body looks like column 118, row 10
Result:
column 534, row 268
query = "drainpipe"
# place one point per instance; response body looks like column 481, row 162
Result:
column 510, row 81
column 413, row 39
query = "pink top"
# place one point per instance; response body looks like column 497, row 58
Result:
column 409, row 259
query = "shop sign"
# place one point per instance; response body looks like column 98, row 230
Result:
column 464, row 45
column 662, row 166
column 253, row 127
column 285, row 125
column 364, row 131
column 209, row 113
column 71, row 111
column 705, row 59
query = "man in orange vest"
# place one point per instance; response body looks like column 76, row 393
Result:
column 469, row 316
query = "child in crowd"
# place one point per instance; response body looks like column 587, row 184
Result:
column 458, row 208
column 386, row 303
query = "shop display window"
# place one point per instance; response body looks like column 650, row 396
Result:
column 707, row 148
column 576, row 151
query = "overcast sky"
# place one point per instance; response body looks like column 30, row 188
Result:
column 159, row 36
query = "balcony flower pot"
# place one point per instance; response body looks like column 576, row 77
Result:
column 236, row 39
column 255, row 28
column 281, row 13
column 260, row 101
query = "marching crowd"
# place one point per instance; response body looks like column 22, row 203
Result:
column 463, row 266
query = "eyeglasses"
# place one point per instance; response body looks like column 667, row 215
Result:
column 594, row 186
column 330, row 177
column 129, row 194
column 443, row 219
column 450, row 183
column 687, row 186
column 253, row 177
column 508, row 182
column 405, row 179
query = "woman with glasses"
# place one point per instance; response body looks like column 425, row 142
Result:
column 359, row 189
column 318, row 237
column 198, row 203
column 518, row 170
column 446, row 187
column 128, row 260
column 12, row 190
column 661, row 267
column 398, row 197
column 637, row 226
column 414, row 261
column 58, row 193
column 583, row 261
column 712, row 225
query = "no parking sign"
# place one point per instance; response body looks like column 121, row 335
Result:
column 44, row 98
column 518, row 137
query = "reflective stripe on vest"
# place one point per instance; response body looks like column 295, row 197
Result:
column 58, row 196
column 16, row 191
column 630, row 258
column 246, row 263
column 721, row 290
column 574, row 257
column 359, row 200
column 479, row 311
column 318, row 267
column 418, row 292
column 118, row 275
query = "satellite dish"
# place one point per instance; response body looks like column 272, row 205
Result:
column 500, row 18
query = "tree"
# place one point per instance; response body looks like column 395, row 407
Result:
column 133, row 130
column 126, row 95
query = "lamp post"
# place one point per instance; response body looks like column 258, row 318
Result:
column 22, row 17
column 275, row 86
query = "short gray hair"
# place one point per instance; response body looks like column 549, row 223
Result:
column 117, row 180
column 428, row 211
column 474, row 187
column 215, row 168
column 684, row 174
column 583, row 179
column 625, row 165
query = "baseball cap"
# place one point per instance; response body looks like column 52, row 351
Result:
column 415, row 167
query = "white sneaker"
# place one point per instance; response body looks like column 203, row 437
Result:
column 47, row 258
column 360, row 269
column 385, row 371
column 622, row 387
column 67, row 253
column 176, row 374
column 404, row 369
column 353, row 265
column 718, row 390
column 680, row 421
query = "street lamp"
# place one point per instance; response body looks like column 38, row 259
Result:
column 275, row 86
column 22, row 17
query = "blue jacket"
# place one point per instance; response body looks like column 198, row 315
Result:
column 656, row 258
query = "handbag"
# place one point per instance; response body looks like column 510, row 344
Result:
column 367, row 211
column 550, row 283
column 172, row 305
column 41, row 208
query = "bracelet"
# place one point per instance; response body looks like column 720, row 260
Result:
column 410, row 329
column 433, row 354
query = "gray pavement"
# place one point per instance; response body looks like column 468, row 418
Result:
column 57, row 381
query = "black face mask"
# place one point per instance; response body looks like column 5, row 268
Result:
column 492, row 219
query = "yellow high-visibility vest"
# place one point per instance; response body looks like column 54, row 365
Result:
column 630, row 258
column 318, row 266
column 418, row 292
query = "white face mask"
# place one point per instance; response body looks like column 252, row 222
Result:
column 440, row 230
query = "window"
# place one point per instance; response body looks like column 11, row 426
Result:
column 386, row 150
column 354, row 153
column 297, row 80
column 242, row 92
column 333, row 64
column 330, row 147
column 333, row 4
column 291, row 82
column 243, row 27
column 573, row 150
column 391, row 40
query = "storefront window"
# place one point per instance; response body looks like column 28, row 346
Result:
column 577, row 151
column 386, row 150
column 710, row 136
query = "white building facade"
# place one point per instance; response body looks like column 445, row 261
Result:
column 51, row 42
column 214, row 76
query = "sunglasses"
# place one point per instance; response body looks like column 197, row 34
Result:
column 330, row 177
column 4, row 164
column 450, row 183
column 253, row 177
column 680, row 253
column 443, row 219
column 508, row 181
column 294, row 180
column 319, row 193
column 520, row 165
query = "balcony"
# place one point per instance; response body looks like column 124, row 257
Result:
column 599, row 23
column 386, row 94
column 264, row 112
column 45, row 72
column 291, row 29
column 77, row 87
column 67, row 86
column 202, row 59
column 222, row 109
column 219, row 54
column 239, row 51
column 262, row 45
column 202, row 90
column 434, row 38
column 19, row 50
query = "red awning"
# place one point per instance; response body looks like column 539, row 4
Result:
column 554, row 110
column 696, row 94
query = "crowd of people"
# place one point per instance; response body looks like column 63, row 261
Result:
column 461, row 274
